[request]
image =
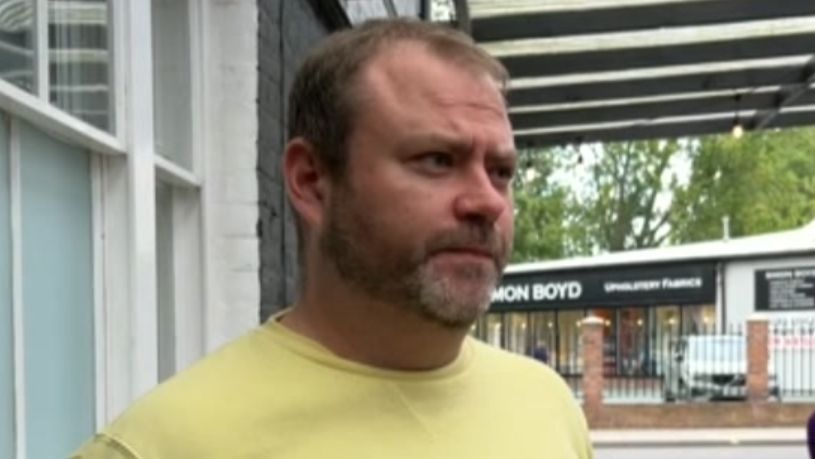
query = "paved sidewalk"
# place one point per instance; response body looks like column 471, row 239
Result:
column 659, row 437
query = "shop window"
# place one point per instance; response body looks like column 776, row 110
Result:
column 663, row 333
column 633, row 352
column 494, row 329
column 698, row 319
column 569, row 358
column 543, row 336
column 516, row 327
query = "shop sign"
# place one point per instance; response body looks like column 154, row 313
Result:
column 785, row 289
column 681, row 284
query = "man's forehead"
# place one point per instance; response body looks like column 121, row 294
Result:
column 411, row 76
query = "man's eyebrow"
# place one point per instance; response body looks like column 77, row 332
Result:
column 427, row 138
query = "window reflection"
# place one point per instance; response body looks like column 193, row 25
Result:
column 80, row 59
column 17, row 43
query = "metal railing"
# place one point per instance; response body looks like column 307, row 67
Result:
column 792, row 359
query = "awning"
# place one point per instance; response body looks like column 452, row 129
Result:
column 605, row 70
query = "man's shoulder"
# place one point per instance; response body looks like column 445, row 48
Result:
column 212, row 392
column 497, row 358
column 513, row 368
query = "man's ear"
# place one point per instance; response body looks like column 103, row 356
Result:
column 306, row 181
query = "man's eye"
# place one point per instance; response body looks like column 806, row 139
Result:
column 436, row 161
column 503, row 174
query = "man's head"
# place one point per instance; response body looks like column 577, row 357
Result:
column 399, row 166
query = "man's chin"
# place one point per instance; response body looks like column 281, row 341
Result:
column 454, row 316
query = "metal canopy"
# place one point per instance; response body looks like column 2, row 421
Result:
column 606, row 70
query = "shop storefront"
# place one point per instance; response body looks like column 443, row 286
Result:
column 643, row 309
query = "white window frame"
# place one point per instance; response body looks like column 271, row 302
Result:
column 188, row 212
column 124, row 169
column 18, row 328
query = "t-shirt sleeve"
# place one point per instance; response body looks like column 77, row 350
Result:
column 103, row 446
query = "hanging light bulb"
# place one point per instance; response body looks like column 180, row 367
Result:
column 738, row 129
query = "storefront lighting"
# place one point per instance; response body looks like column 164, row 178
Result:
column 639, row 322
column 608, row 323
column 551, row 325
column 672, row 321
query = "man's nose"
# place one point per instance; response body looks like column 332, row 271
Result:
column 479, row 199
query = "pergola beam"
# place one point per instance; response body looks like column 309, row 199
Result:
column 736, row 80
column 633, row 17
column 789, row 96
column 653, row 131
column 652, row 110
column 647, row 56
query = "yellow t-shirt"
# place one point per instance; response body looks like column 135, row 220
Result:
column 276, row 394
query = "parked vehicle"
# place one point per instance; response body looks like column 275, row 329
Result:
column 710, row 367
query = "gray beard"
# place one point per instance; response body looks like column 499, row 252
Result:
column 408, row 281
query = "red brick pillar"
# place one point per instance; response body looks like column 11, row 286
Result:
column 592, row 329
column 758, row 356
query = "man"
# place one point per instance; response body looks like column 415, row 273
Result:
column 399, row 169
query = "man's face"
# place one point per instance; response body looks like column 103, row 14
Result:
column 422, row 218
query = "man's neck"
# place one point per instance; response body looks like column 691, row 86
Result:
column 381, row 335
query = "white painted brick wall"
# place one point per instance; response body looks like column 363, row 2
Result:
column 231, row 199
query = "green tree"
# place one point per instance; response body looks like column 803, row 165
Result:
column 540, row 207
column 763, row 182
column 626, row 203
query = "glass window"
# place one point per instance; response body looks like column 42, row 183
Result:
column 517, row 330
column 17, row 32
column 632, row 341
column 494, row 329
column 664, row 331
column 543, row 336
column 6, row 337
column 698, row 319
column 172, row 81
column 80, row 60
column 569, row 359
column 359, row 11
column 57, row 294
column 408, row 7
column 165, row 280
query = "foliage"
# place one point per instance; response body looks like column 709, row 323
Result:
column 763, row 182
column 540, row 208
column 649, row 193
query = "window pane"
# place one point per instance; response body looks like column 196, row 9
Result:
column 698, row 319
column 6, row 338
column 80, row 59
column 361, row 10
column 57, row 294
column 543, row 337
column 172, row 78
column 494, row 329
column 165, row 281
column 408, row 7
column 17, row 42
column 570, row 359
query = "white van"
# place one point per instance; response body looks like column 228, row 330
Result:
column 710, row 367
